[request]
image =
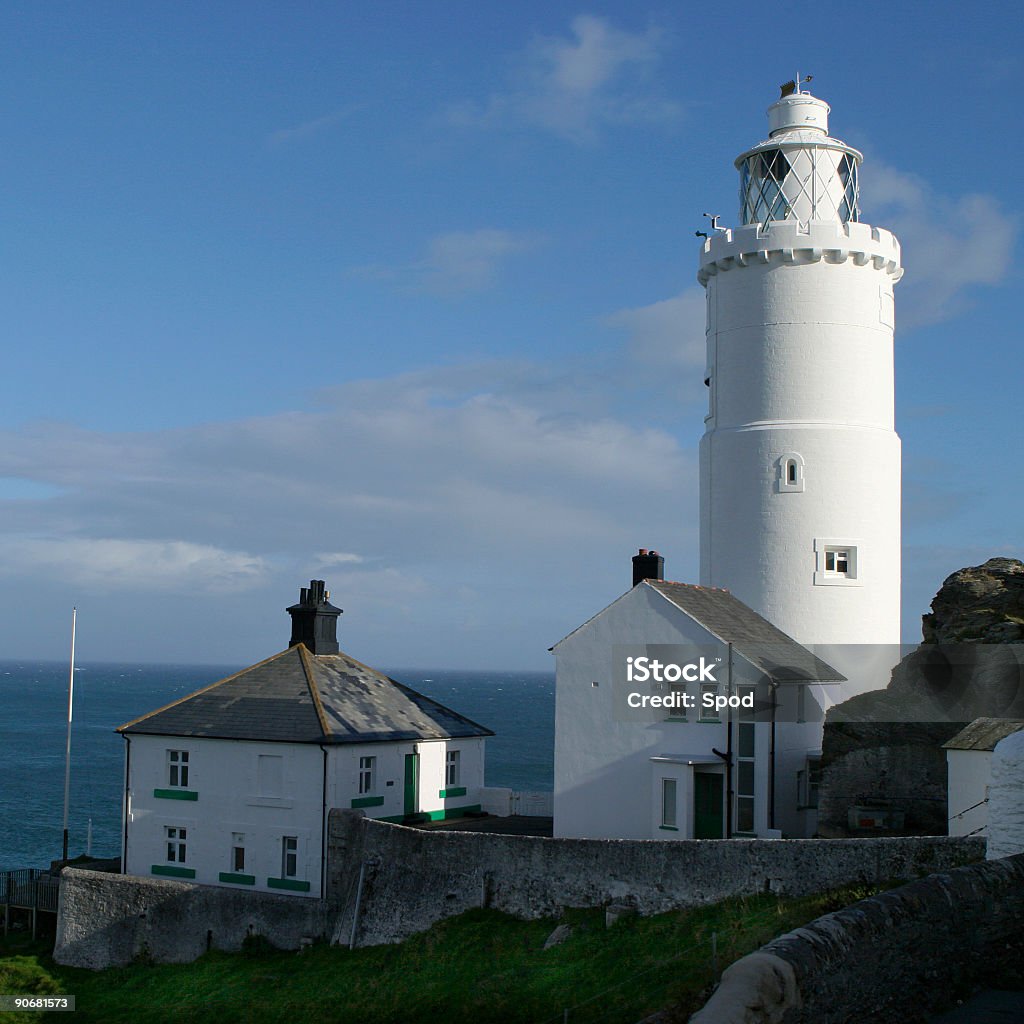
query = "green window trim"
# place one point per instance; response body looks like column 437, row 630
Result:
column 175, row 794
column 676, row 718
column 172, row 871
column 668, row 828
column 367, row 801
column 454, row 791
column 234, row 879
column 288, row 883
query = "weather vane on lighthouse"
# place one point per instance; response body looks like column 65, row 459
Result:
column 792, row 87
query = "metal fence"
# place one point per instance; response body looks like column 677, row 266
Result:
column 28, row 889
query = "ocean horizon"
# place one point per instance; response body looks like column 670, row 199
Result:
column 518, row 706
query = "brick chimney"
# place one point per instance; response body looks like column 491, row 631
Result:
column 648, row 565
column 315, row 620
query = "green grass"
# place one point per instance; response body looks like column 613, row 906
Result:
column 480, row 967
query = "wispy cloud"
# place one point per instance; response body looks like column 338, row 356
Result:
column 950, row 244
column 105, row 563
column 574, row 87
column 456, row 263
column 307, row 129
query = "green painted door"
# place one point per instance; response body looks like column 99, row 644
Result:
column 412, row 775
column 707, row 806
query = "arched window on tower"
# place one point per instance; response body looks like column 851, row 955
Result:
column 790, row 472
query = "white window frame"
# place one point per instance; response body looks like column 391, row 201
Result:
column 176, row 838
column 452, row 768
column 367, row 774
column 237, row 846
column 177, row 769
column 783, row 464
column 707, row 714
column 744, row 722
column 825, row 549
column 670, row 803
column 289, row 857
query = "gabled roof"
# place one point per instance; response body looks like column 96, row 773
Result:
column 753, row 637
column 299, row 697
column 984, row 733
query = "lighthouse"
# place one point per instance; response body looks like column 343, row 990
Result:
column 800, row 459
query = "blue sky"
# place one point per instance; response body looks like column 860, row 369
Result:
column 402, row 295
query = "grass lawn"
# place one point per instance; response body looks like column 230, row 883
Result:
column 480, row 967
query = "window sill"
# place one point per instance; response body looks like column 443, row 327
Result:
column 175, row 794
column 367, row 801
column 709, row 721
column 292, row 884
column 668, row 828
column 172, row 872
column 233, row 879
column 453, row 791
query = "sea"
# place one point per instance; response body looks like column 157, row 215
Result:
column 518, row 706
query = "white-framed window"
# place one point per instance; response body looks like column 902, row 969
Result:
column 790, row 473
column 175, row 836
column 270, row 774
column 745, row 764
column 177, row 769
column 237, row 851
column 367, row 774
column 705, row 713
column 837, row 563
column 668, row 803
column 452, row 768
column 807, row 782
column 289, row 856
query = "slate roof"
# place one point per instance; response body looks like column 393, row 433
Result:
column 753, row 637
column 298, row 697
column 984, row 733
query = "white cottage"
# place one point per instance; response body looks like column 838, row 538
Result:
column 969, row 764
column 231, row 785
column 630, row 768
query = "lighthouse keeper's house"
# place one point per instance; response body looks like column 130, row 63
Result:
column 232, row 785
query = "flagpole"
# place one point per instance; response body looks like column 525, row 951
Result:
column 67, row 752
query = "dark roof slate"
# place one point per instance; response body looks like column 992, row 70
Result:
column 299, row 697
column 752, row 636
column 984, row 733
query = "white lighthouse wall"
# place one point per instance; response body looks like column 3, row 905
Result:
column 800, row 365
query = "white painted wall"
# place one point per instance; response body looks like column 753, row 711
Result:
column 968, row 774
column 224, row 775
column 1006, row 798
column 606, row 785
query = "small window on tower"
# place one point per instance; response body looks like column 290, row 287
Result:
column 836, row 564
column 790, row 472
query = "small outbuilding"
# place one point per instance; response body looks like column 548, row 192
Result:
column 231, row 785
column 969, row 763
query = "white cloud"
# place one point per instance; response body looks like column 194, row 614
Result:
column 456, row 262
column 950, row 244
column 309, row 128
column 573, row 87
column 138, row 565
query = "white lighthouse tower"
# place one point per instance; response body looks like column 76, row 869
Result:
column 800, row 461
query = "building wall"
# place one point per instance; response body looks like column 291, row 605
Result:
column 968, row 772
column 800, row 362
column 386, row 799
column 606, row 785
column 228, row 794
column 235, row 786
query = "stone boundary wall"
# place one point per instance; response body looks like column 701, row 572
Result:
column 106, row 920
column 413, row 878
column 901, row 955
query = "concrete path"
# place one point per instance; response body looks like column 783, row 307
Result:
column 987, row 1008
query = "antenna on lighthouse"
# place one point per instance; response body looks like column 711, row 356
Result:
column 792, row 87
